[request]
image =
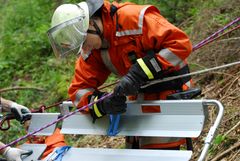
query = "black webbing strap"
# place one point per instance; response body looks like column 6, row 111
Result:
column 132, row 57
column 113, row 10
column 97, row 32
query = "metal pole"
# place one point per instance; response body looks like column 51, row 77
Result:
column 213, row 129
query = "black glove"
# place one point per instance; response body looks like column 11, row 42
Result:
column 146, row 68
column 110, row 105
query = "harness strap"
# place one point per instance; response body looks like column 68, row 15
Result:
column 113, row 11
column 97, row 32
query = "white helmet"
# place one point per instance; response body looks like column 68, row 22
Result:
column 69, row 26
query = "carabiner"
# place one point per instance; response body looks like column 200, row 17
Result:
column 6, row 118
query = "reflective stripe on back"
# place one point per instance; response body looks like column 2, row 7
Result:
column 135, row 31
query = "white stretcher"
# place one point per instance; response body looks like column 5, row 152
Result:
column 177, row 118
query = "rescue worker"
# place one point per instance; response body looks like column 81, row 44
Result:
column 135, row 42
column 13, row 154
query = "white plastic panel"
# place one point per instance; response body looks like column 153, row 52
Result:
column 39, row 120
column 93, row 154
column 37, row 149
column 176, row 119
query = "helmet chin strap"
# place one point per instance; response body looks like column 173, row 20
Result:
column 97, row 32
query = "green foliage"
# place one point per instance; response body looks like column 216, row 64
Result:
column 176, row 11
column 24, row 29
column 26, row 57
column 219, row 139
column 13, row 133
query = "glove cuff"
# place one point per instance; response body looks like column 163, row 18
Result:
column 150, row 66
column 96, row 109
column 13, row 105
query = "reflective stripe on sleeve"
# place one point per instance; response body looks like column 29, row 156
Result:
column 145, row 69
column 95, row 108
column 170, row 57
column 80, row 93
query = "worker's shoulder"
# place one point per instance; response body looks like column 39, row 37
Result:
column 131, row 13
column 131, row 9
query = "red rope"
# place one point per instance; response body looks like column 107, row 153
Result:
column 211, row 40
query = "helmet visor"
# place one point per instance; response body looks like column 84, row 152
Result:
column 68, row 37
